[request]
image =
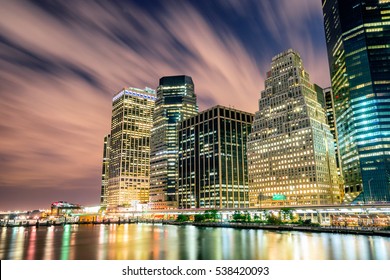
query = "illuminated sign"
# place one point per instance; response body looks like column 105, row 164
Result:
column 278, row 197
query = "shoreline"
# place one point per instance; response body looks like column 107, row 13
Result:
column 346, row 230
column 320, row 229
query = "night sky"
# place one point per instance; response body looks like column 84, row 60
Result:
column 62, row 61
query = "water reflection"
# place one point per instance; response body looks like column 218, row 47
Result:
column 65, row 243
column 103, row 239
column 48, row 255
column 31, row 244
column 146, row 241
column 18, row 234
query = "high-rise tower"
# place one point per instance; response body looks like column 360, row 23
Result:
column 129, row 166
column 213, row 168
column 176, row 101
column 291, row 159
column 358, row 41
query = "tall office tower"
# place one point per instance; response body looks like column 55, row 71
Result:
column 212, row 159
column 358, row 41
column 291, row 158
column 105, row 170
column 129, row 167
column 176, row 101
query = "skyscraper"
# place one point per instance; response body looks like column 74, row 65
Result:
column 213, row 169
column 129, row 166
column 291, row 158
column 105, row 170
column 358, row 41
column 176, row 101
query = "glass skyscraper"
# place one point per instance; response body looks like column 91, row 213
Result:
column 291, row 158
column 129, row 165
column 176, row 101
column 213, row 170
column 358, row 41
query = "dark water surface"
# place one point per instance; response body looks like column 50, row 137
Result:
column 168, row 242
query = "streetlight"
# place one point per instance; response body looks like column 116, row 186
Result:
column 369, row 187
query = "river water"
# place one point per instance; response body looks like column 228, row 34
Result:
column 169, row 242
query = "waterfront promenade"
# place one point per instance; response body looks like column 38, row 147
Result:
column 370, row 219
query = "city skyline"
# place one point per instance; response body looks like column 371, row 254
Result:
column 60, row 71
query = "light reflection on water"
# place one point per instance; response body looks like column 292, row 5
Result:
column 167, row 242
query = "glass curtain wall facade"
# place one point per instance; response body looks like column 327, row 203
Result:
column 212, row 159
column 358, row 41
column 129, row 167
column 105, row 170
column 176, row 101
column 291, row 158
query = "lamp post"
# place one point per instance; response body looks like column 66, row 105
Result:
column 369, row 187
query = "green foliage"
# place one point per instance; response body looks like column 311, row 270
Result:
column 211, row 215
column 238, row 216
column 199, row 218
column 242, row 217
column 247, row 216
column 272, row 220
column 182, row 218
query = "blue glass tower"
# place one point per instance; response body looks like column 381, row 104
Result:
column 358, row 41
